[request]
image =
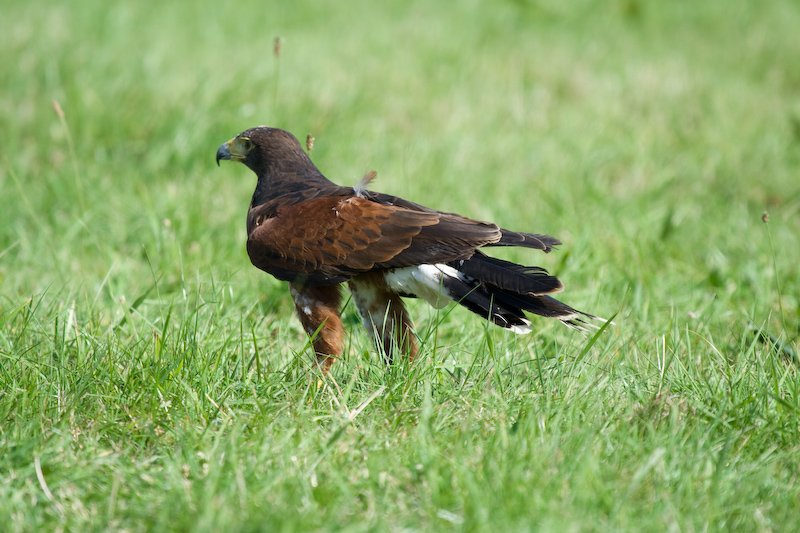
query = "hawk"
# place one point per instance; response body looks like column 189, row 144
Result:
column 316, row 235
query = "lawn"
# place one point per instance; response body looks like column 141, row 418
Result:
column 152, row 380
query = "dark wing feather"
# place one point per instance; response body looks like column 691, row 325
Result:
column 326, row 240
column 507, row 237
column 527, row 240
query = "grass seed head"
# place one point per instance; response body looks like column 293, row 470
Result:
column 57, row 109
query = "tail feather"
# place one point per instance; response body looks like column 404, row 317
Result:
column 474, row 296
column 508, row 276
column 547, row 306
column 501, row 291
column 492, row 288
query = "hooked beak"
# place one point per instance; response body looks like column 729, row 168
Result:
column 234, row 150
column 223, row 152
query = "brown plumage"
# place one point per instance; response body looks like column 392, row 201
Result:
column 306, row 230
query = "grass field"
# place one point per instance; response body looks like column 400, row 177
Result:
column 152, row 380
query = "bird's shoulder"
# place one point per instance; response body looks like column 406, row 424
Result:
column 339, row 208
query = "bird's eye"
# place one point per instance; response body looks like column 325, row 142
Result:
column 248, row 144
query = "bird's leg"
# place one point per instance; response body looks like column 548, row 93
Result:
column 318, row 310
column 384, row 315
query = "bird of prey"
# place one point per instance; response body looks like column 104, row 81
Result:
column 316, row 235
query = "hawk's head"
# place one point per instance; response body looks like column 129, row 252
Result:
column 262, row 148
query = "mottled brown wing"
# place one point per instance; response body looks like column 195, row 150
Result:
column 329, row 239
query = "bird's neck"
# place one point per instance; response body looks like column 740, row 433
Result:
column 299, row 183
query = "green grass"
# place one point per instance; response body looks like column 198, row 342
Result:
column 151, row 379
